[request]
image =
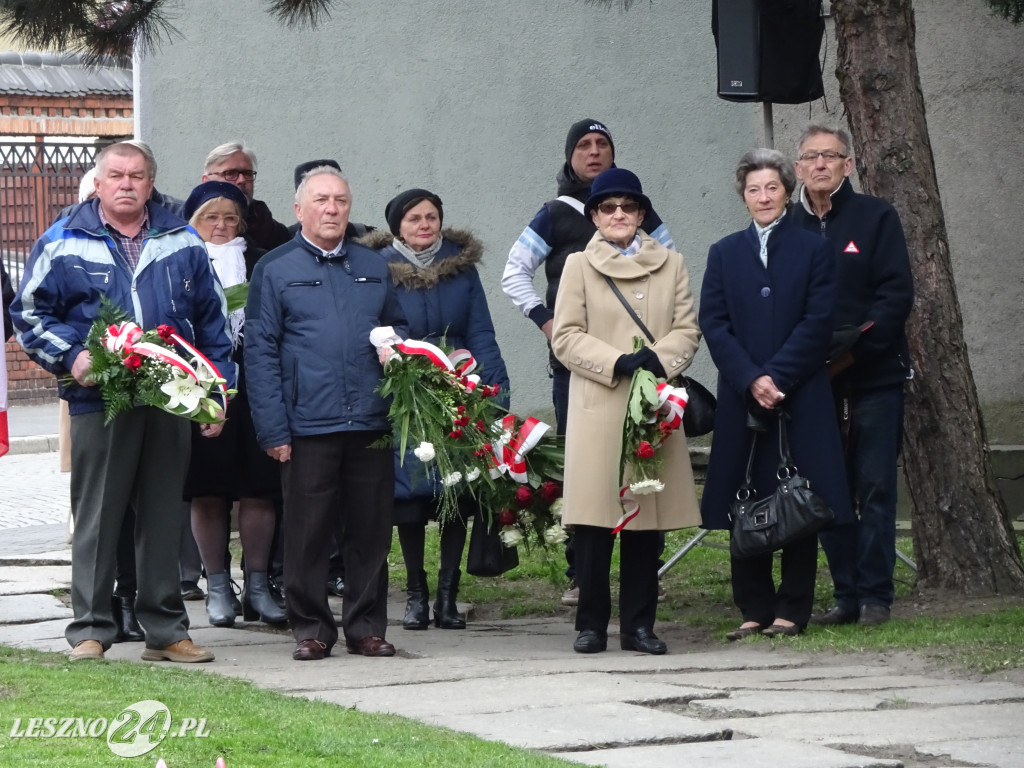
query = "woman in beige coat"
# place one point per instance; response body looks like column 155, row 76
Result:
column 593, row 336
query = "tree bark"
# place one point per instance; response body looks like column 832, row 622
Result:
column 963, row 539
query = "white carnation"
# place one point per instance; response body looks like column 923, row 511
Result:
column 645, row 487
column 555, row 534
column 556, row 508
column 451, row 479
column 511, row 536
column 473, row 474
column 424, row 452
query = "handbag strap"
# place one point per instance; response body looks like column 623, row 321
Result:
column 746, row 491
column 786, row 467
column 622, row 299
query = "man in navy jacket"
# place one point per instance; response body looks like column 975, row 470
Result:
column 869, row 360
column 312, row 373
column 147, row 261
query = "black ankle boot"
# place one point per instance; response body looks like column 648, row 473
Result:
column 417, row 608
column 446, row 614
column 128, row 629
column 257, row 602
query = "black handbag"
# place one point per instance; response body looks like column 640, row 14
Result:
column 488, row 555
column 791, row 512
column 699, row 413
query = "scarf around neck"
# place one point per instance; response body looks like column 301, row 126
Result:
column 418, row 259
column 229, row 263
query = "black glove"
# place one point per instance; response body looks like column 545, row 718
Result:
column 646, row 358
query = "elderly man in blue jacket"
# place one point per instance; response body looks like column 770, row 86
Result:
column 869, row 361
column 311, row 373
column 147, row 261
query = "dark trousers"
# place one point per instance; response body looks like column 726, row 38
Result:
column 638, row 578
column 754, row 591
column 560, row 398
column 138, row 460
column 335, row 484
column 862, row 555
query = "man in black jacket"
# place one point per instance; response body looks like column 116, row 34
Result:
column 869, row 361
column 235, row 163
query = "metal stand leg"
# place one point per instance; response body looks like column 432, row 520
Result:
column 682, row 552
column 910, row 563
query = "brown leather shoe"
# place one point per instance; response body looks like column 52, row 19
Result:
column 371, row 646
column 87, row 649
column 183, row 652
column 310, row 650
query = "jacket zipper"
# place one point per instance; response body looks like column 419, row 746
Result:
column 106, row 275
column 170, row 290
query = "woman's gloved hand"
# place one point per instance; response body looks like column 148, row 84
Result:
column 645, row 358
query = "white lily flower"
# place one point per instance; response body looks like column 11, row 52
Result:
column 424, row 452
column 182, row 392
column 555, row 535
column 511, row 536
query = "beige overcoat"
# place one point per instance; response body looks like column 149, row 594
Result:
column 591, row 330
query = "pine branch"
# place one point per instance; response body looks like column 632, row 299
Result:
column 1011, row 10
column 301, row 13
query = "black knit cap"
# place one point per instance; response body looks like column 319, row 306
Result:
column 211, row 190
column 403, row 201
column 303, row 168
column 578, row 130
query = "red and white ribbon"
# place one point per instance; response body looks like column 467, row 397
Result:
column 513, row 451
column 463, row 361
column 671, row 403
column 427, row 350
column 630, row 508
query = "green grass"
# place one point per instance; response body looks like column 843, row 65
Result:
column 698, row 594
column 247, row 726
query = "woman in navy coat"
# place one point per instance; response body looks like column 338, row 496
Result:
column 766, row 314
column 440, row 293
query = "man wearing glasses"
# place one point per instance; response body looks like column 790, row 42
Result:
column 235, row 163
column 869, row 361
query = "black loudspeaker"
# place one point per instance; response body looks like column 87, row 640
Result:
column 768, row 49
column 737, row 37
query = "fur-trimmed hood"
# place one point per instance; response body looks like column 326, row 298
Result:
column 407, row 276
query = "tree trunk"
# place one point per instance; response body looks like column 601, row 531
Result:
column 963, row 539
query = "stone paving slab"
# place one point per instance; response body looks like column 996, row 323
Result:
column 886, row 728
column 21, row 580
column 26, row 609
column 37, row 634
column 881, row 683
column 590, row 726
column 946, row 695
column 798, row 672
column 1007, row 752
column 777, row 702
column 742, row 753
column 498, row 694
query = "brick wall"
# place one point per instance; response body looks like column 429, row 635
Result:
column 27, row 383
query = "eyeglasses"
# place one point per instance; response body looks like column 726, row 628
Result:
column 828, row 154
column 213, row 219
column 608, row 207
column 232, row 174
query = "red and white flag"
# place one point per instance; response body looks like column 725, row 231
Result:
column 5, row 442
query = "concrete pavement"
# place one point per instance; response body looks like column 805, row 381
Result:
column 517, row 681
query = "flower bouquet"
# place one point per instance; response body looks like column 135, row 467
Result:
column 455, row 428
column 654, row 411
column 132, row 366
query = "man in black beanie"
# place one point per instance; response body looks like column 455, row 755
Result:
column 352, row 231
column 560, row 228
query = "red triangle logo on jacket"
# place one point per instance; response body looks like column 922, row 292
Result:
column 851, row 248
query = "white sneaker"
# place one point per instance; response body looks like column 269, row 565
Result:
column 572, row 594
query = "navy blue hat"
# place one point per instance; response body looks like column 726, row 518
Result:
column 303, row 168
column 211, row 190
column 403, row 201
column 580, row 129
column 616, row 182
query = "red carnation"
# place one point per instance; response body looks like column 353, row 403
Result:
column 480, row 425
column 133, row 362
column 524, row 496
column 461, row 409
column 455, row 434
column 165, row 332
column 488, row 447
column 549, row 491
column 507, row 517
column 645, row 450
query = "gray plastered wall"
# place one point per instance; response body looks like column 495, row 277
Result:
column 472, row 100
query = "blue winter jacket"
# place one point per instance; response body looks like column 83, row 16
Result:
column 76, row 262
column 309, row 365
column 445, row 299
